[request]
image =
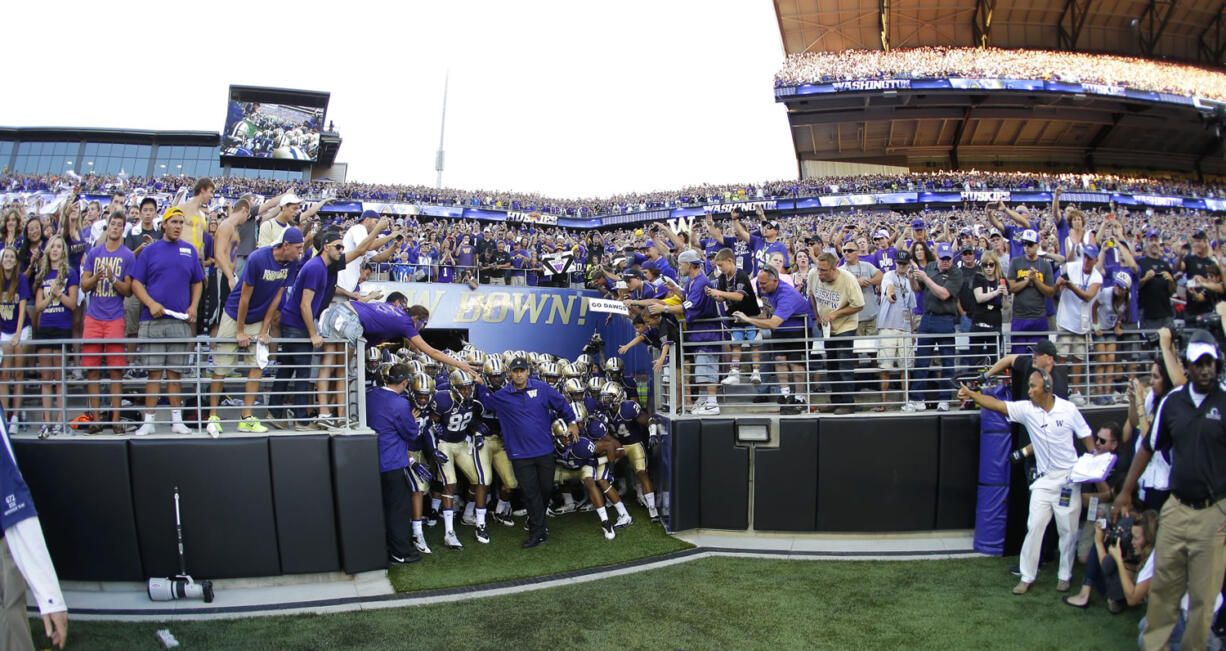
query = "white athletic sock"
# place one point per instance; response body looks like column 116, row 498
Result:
column 502, row 506
column 176, row 415
column 650, row 498
column 468, row 508
column 417, row 527
column 603, row 512
column 621, row 508
column 481, row 517
column 435, row 503
column 448, row 520
column 148, row 417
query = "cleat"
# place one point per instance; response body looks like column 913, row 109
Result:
column 452, row 541
column 419, row 543
column 568, row 507
column 483, row 535
column 607, row 528
column 214, row 427
column 432, row 518
column 504, row 519
column 468, row 519
column 655, row 518
column 623, row 521
column 519, row 513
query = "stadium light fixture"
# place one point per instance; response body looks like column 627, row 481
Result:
column 753, row 430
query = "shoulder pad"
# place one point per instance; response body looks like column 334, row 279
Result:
column 629, row 410
column 442, row 402
column 596, row 429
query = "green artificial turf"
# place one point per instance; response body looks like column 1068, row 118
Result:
column 575, row 542
column 716, row 603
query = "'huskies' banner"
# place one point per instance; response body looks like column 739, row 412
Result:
column 531, row 217
column 986, row 196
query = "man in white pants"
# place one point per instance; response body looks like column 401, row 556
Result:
column 1052, row 422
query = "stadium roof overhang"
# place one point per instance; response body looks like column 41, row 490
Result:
column 965, row 129
column 131, row 136
column 1183, row 30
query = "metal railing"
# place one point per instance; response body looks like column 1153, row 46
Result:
column 46, row 388
column 887, row 372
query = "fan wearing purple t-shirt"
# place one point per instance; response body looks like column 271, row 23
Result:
column 55, row 296
column 254, row 305
column 167, row 277
column 106, row 274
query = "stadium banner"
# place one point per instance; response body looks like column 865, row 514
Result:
column 1082, row 197
column 867, row 199
column 1215, row 204
column 542, row 319
column 744, row 206
column 477, row 213
column 1194, row 204
column 531, row 217
column 406, row 209
column 345, row 206
column 679, row 213
column 962, row 83
column 940, row 197
column 1157, row 200
column 985, row 196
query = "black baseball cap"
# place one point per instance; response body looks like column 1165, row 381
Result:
column 518, row 364
column 1044, row 347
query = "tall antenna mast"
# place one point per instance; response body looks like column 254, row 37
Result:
column 438, row 158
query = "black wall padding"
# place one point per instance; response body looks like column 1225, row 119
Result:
column 1095, row 418
column 785, row 484
column 725, row 478
column 226, row 502
column 877, row 474
column 83, row 494
column 686, row 494
column 359, row 502
column 957, row 471
column 302, row 493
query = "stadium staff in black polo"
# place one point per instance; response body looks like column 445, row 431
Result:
column 1190, row 554
column 526, row 408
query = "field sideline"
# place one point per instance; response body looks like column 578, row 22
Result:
column 704, row 604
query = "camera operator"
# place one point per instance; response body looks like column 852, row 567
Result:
column 1191, row 545
column 1108, row 566
column 1052, row 422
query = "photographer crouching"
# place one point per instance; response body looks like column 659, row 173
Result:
column 1112, row 566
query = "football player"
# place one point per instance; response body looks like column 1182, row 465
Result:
column 628, row 423
column 421, row 389
column 615, row 370
column 457, row 424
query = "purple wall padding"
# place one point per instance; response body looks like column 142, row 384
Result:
column 992, row 508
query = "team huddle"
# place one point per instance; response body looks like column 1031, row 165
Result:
column 438, row 433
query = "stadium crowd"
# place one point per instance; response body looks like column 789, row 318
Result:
column 996, row 63
column 235, row 186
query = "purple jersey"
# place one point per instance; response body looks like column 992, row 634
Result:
column 105, row 304
column 383, row 321
column 315, row 276
column 9, row 306
column 266, row 277
column 55, row 315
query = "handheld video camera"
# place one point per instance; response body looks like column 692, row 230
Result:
column 1121, row 531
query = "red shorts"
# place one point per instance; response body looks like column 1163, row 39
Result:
column 91, row 354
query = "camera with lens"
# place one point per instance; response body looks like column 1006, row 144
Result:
column 180, row 587
column 594, row 345
column 1121, row 531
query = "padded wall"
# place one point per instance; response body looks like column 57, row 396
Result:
column 686, row 491
column 785, row 483
column 302, row 493
column 359, row 502
column 877, row 474
column 957, row 470
column 725, row 478
column 226, row 503
column 83, row 493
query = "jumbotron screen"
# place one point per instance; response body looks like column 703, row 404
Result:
column 261, row 130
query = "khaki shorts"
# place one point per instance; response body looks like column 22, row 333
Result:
column 1072, row 346
column 159, row 355
column 131, row 315
column 226, row 354
column 866, row 328
column 896, row 350
column 474, row 464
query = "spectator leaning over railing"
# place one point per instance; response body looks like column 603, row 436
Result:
column 942, row 281
column 838, row 300
column 702, row 332
column 55, row 296
column 107, row 275
column 255, row 305
column 167, row 277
